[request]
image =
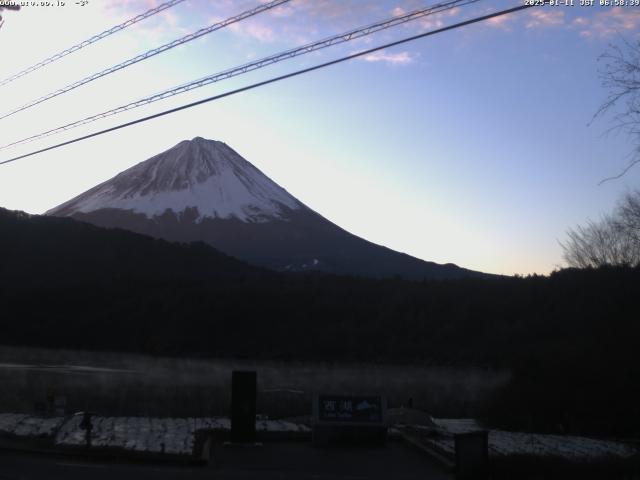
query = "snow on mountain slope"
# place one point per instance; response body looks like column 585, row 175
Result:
column 202, row 190
column 203, row 174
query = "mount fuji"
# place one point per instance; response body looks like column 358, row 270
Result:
column 202, row 190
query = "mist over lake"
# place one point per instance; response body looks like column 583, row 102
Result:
column 127, row 384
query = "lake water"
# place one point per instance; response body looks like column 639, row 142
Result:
column 126, row 384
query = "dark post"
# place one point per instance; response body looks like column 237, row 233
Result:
column 51, row 395
column 472, row 455
column 243, row 407
column 59, row 405
column 87, row 426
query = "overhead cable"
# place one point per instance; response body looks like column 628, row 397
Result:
column 274, row 80
column 89, row 41
column 255, row 65
column 150, row 53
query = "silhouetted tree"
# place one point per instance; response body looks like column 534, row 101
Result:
column 614, row 240
column 620, row 75
column 629, row 214
column 570, row 339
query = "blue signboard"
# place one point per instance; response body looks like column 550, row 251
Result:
column 350, row 409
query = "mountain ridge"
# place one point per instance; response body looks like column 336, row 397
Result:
column 202, row 190
column 215, row 178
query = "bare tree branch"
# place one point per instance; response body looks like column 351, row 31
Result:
column 620, row 75
column 614, row 240
column 622, row 173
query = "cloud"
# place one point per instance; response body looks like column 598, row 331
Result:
column 297, row 21
column 400, row 58
column 503, row 22
column 170, row 18
column 331, row 10
column 429, row 22
column 165, row 26
column 545, row 18
column 580, row 21
column 258, row 30
column 131, row 5
column 617, row 20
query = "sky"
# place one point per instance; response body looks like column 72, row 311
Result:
column 475, row 146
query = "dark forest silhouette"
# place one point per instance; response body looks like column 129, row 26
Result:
column 570, row 338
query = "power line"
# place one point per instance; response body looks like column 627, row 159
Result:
column 151, row 53
column 275, row 79
column 89, row 41
column 255, row 65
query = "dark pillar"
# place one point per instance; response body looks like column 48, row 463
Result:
column 243, row 407
column 87, row 426
column 472, row 455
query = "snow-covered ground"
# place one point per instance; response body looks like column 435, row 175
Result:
column 503, row 443
column 29, row 426
column 139, row 434
column 177, row 436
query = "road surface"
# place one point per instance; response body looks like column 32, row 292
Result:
column 281, row 461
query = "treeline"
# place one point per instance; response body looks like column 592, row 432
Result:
column 571, row 338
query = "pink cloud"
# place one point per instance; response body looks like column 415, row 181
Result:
column 298, row 20
column 545, row 18
column 503, row 22
column 170, row 17
column 131, row 5
column 580, row 21
column 614, row 21
column 330, row 9
column 163, row 27
column 437, row 20
column 400, row 58
column 257, row 30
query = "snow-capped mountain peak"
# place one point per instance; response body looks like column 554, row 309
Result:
column 202, row 190
column 203, row 174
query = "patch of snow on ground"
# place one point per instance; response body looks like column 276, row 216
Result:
column 139, row 434
column 457, row 425
column 503, row 443
column 10, row 421
column 155, row 435
column 70, row 433
column 280, row 426
column 28, row 426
